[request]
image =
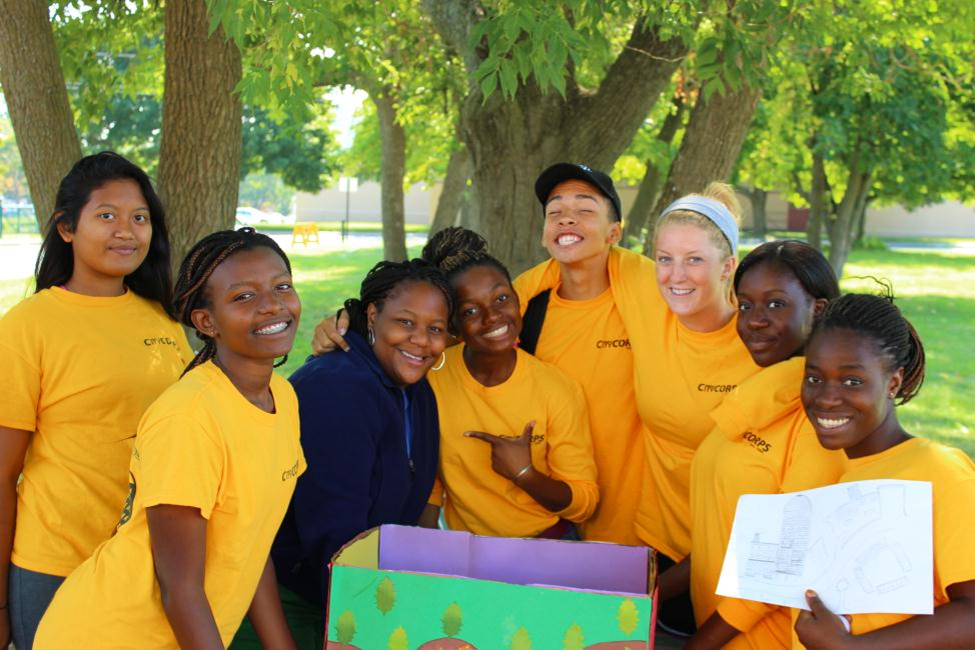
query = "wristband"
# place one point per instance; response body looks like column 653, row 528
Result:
column 524, row 470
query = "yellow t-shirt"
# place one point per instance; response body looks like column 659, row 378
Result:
column 201, row 445
column 79, row 371
column 695, row 371
column 587, row 340
column 763, row 444
column 679, row 377
column 479, row 499
column 952, row 477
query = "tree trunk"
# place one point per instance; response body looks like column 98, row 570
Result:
column 199, row 158
column 392, row 173
column 861, row 222
column 642, row 209
column 759, row 200
column 37, row 100
column 709, row 150
column 512, row 141
column 817, row 203
column 459, row 169
column 470, row 216
column 841, row 225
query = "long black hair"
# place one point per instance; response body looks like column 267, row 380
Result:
column 383, row 279
column 55, row 262
column 879, row 319
column 197, row 267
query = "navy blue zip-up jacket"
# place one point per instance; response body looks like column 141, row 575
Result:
column 353, row 432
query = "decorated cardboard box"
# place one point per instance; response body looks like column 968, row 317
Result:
column 405, row 588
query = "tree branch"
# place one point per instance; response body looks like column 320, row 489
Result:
column 453, row 20
column 607, row 119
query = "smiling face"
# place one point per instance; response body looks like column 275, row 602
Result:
column 846, row 393
column 252, row 308
column 577, row 224
column 410, row 331
column 775, row 313
column 488, row 314
column 111, row 237
column 692, row 274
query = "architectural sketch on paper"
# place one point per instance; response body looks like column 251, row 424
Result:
column 880, row 566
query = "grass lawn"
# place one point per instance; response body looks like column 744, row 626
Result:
column 936, row 290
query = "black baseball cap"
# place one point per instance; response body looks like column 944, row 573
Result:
column 560, row 172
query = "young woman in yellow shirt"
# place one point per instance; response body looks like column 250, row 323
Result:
column 862, row 359
column 679, row 315
column 535, row 474
column 215, row 462
column 763, row 443
column 539, row 475
column 82, row 359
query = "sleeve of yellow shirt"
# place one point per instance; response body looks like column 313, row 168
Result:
column 954, row 533
column 570, row 455
column 20, row 381
column 743, row 615
column 436, row 494
column 181, row 463
column 536, row 280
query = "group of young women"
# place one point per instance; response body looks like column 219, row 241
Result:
column 152, row 498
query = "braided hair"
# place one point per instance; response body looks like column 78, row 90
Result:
column 878, row 318
column 383, row 279
column 197, row 267
column 454, row 250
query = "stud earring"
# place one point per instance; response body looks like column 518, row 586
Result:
column 371, row 337
column 892, row 394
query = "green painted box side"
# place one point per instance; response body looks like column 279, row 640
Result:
column 378, row 610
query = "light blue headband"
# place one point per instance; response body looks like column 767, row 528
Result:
column 716, row 211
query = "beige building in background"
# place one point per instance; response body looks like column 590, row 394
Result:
column 947, row 219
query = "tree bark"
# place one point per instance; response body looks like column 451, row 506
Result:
column 459, row 169
column 709, row 150
column 639, row 215
column 391, row 176
column 512, row 141
column 758, row 199
column 199, row 158
column 817, row 203
column 470, row 216
column 37, row 100
column 841, row 224
column 860, row 219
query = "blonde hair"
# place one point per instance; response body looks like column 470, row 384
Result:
column 717, row 191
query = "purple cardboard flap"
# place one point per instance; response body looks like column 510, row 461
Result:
column 424, row 550
column 601, row 567
column 579, row 565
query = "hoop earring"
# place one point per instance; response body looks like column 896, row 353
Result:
column 283, row 361
column 371, row 337
column 443, row 360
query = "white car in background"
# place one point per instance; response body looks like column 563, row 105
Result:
column 255, row 217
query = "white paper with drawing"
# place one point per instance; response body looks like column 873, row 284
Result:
column 865, row 547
